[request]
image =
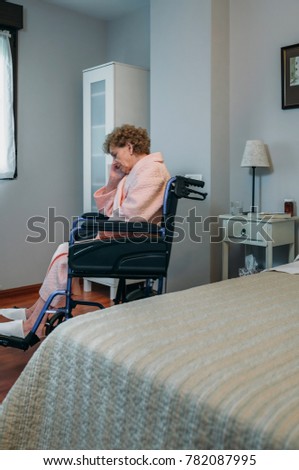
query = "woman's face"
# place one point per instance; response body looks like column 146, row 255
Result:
column 123, row 157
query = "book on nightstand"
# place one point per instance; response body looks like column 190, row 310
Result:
column 274, row 215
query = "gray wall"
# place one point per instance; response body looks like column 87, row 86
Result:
column 54, row 46
column 258, row 29
column 128, row 38
column 255, row 89
column 189, row 106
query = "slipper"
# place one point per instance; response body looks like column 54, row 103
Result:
column 13, row 328
column 13, row 313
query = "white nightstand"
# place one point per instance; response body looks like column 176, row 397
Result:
column 266, row 233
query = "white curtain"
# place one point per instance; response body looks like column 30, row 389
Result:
column 7, row 138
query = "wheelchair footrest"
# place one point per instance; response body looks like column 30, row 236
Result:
column 19, row 343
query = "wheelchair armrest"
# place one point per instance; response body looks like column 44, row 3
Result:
column 89, row 227
column 97, row 216
column 85, row 226
column 120, row 226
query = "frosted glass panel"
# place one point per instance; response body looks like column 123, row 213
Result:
column 98, row 173
column 98, row 165
column 98, row 87
column 97, row 139
column 98, row 103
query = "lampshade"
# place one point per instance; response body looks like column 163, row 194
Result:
column 255, row 154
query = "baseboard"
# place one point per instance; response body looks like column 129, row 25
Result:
column 32, row 289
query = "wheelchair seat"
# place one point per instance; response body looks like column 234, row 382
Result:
column 129, row 250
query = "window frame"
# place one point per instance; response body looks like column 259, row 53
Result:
column 11, row 16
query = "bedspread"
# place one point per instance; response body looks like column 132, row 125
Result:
column 211, row 367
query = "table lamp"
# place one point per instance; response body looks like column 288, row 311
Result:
column 255, row 156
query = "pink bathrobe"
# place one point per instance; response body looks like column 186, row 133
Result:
column 138, row 196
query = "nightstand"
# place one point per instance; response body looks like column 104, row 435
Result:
column 265, row 232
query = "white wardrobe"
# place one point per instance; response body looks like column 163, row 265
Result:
column 113, row 94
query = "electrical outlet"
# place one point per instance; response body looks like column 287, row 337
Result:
column 195, row 176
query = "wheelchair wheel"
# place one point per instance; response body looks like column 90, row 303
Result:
column 139, row 293
column 54, row 321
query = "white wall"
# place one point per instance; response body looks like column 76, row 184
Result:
column 54, row 46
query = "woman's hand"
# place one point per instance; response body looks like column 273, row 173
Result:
column 115, row 176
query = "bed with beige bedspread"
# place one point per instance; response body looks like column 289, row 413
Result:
column 212, row 367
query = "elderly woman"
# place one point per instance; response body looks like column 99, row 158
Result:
column 134, row 191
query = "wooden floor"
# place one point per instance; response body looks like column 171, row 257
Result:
column 13, row 361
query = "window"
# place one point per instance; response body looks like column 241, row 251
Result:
column 7, row 130
column 11, row 20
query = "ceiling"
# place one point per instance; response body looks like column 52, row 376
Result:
column 102, row 9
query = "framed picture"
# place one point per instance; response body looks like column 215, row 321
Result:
column 290, row 76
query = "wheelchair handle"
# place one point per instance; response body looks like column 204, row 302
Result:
column 192, row 181
column 182, row 190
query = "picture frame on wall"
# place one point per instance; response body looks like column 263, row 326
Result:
column 290, row 76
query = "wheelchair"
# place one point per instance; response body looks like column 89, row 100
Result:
column 135, row 250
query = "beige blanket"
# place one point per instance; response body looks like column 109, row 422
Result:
column 213, row 367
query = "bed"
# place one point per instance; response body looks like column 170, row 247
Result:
column 211, row 367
